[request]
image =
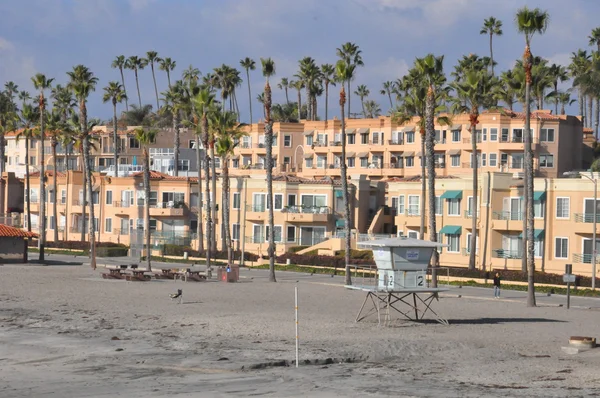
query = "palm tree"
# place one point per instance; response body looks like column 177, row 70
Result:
column 350, row 53
column 229, row 133
column 66, row 140
column 190, row 76
column 328, row 73
column 285, row 113
column 298, row 85
column 248, row 64
column 136, row 63
column 491, row 27
column 372, row 109
column 204, row 106
column 55, row 128
column 310, row 75
column 8, row 122
column 29, row 116
column 82, row 81
column 529, row 22
column 362, row 91
column 261, row 99
column 284, row 84
column 152, row 58
column 120, row 63
column 594, row 38
column 580, row 65
column 387, row 90
column 41, row 83
column 115, row 93
column 268, row 70
column 557, row 73
column 344, row 72
column 167, row 65
column 431, row 68
column 589, row 85
column 174, row 106
column 146, row 136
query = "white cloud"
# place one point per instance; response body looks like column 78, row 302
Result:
column 139, row 5
column 5, row 45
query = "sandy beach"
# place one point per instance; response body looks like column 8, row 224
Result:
column 66, row 332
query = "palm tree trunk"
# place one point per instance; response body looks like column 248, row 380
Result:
column 199, row 228
column 430, row 136
column 585, row 116
column 147, row 209
column 344, row 171
column 580, row 104
column 423, row 187
column 66, row 230
column 155, row 88
column 209, row 222
column 55, row 189
column 308, row 103
column 2, row 154
column 42, row 220
column 269, row 146
column 315, row 113
column 249, row 93
column 597, row 117
column 28, row 184
column 213, row 202
column 556, row 98
column 349, row 96
column 475, row 190
column 287, row 99
column 226, row 211
column 529, row 184
column 390, row 98
column 590, row 112
column 91, row 227
column 84, row 201
column 115, row 139
column 176, row 143
column 124, row 89
column 326, row 100
column 168, row 79
column 491, row 61
column 137, row 83
column 299, row 105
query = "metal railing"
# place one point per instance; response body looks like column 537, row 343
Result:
column 335, row 143
column 586, row 217
column 123, row 203
column 121, row 231
column 318, row 144
column 413, row 213
column 365, row 275
column 396, row 142
column 469, row 214
column 508, row 254
column 507, row 215
column 307, row 209
column 514, row 139
column 583, row 258
column 468, row 140
column 168, row 205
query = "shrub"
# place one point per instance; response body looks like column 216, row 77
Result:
column 357, row 254
column 112, row 251
column 296, row 249
column 324, row 261
column 76, row 245
column 175, row 250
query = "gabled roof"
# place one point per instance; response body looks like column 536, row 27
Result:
column 12, row 232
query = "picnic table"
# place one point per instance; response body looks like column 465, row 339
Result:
column 113, row 273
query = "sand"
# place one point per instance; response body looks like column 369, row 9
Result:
column 66, row 332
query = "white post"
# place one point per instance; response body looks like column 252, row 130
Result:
column 296, row 310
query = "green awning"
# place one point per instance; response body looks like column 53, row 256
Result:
column 340, row 223
column 451, row 229
column 452, row 195
column 537, row 234
column 539, row 195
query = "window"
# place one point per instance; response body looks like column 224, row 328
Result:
column 134, row 143
column 517, row 161
column 108, row 225
column 364, row 162
column 494, row 134
column 503, row 159
column 276, row 233
column 109, row 198
column 218, row 162
column 484, row 134
column 561, row 247
column 455, row 135
column 455, row 160
column 291, row 199
column 484, row 159
column 286, row 160
column 454, row 207
column 235, row 163
column 63, row 196
column 504, row 136
column 291, row 234
column 235, row 231
column 364, row 139
column 547, row 135
column 538, row 248
column 468, row 246
column 52, row 222
column 175, row 197
column 183, row 165
column 350, row 162
column 562, row 207
column 410, row 137
column 287, row 141
column 538, row 208
column 493, row 159
column 95, row 197
column 96, row 224
column 453, row 242
column 236, row 200
column 309, row 140
column 413, row 205
column 351, row 139
column 547, row 161
column 439, row 209
column 413, row 234
column 409, row 161
column 277, row 201
column 32, row 160
column 401, row 204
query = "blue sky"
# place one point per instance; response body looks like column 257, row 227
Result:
column 52, row 36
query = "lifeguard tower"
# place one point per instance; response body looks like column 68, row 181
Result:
column 401, row 279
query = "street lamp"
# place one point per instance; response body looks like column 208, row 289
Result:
column 576, row 173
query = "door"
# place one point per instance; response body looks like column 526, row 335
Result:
column 257, row 233
column 588, row 207
column 125, row 198
column 259, row 202
column 124, row 226
column 588, row 250
column 306, row 236
column 516, row 208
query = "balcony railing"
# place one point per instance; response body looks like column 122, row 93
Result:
column 168, row 205
column 396, row 142
column 469, row 214
column 122, row 203
column 108, row 149
column 245, row 145
column 260, row 145
column 583, row 258
column 335, row 143
column 586, row 217
column 508, row 254
column 307, row 209
column 468, row 140
column 508, row 215
column 319, row 143
column 514, row 139
column 121, row 231
column 516, row 165
column 413, row 213
column 256, row 208
column 81, row 202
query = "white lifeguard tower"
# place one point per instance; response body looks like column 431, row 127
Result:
column 401, row 278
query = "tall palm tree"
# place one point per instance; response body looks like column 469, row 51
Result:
column 146, row 136
column 580, row 65
column 66, row 140
column 310, row 75
column 284, row 84
column 204, row 106
column 298, row 85
column 229, row 132
column 261, row 99
column 120, row 63
column 174, row 106
column 167, row 65
column 372, row 109
column 29, row 116
column 11, row 89
column 529, row 22
column 557, row 73
column 268, row 70
column 345, row 71
column 136, row 63
column 115, row 93
column 351, row 54
column 83, row 82
column 387, row 90
column 42, row 83
column 8, row 122
column 491, row 27
column 431, row 69
column 362, row 91
column 594, row 38
column 328, row 73
column 248, row 64
column 151, row 59
column 589, row 85
column 56, row 126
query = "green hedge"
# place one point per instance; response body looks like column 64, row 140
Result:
column 176, row 250
column 296, row 249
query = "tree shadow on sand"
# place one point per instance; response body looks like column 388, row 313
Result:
column 492, row 321
column 54, row 263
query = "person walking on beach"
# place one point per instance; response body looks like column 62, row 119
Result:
column 497, row 285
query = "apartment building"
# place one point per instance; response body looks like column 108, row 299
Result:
column 564, row 209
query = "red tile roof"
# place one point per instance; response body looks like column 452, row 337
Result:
column 300, row 180
column 48, row 173
column 542, row 114
column 155, row 175
column 417, row 178
column 12, row 232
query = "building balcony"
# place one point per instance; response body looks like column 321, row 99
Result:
column 584, row 258
column 508, row 220
column 335, row 143
column 395, row 142
column 469, row 214
column 167, row 209
column 307, row 213
column 121, row 231
column 467, row 140
column 256, row 212
column 586, row 218
column 507, row 254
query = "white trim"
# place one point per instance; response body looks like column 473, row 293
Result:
column 295, row 199
column 556, row 208
column 314, row 194
column 568, row 247
column 408, row 205
column 448, row 249
column 490, row 133
column 448, row 201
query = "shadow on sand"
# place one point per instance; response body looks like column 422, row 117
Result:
column 54, row 263
column 492, row 321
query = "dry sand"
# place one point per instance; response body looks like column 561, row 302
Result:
column 66, row 332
